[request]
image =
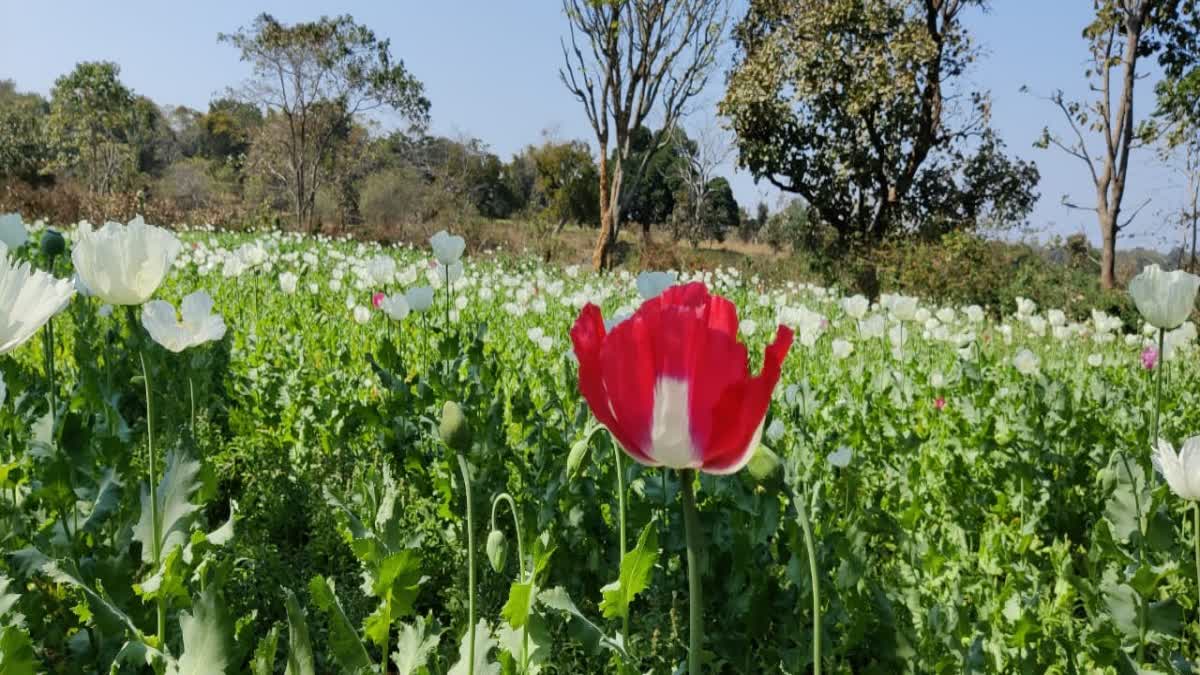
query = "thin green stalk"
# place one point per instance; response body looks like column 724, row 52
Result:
column 802, row 511
column 1196, row 545
column 691, row 525
column 192, row 395
column 1158, row 368
column 621, row 519
column 155, row 546
column 462, row 465
column 512, row 506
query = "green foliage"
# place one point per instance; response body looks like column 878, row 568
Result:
column 637, row 567
column 866, row 155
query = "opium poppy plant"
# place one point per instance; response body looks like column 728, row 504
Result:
column 672, row 382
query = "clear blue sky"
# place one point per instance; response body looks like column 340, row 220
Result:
column 491, row 71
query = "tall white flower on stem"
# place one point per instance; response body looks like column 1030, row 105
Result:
column 447, row 248
column 124, row 264
column 1181, row 470
column 1026, row 362
column 198, row 326
column 395, row 306
column 28, row 299
column 12, row 231
column 288, row 282
column 1165, row 299
column 420, row 299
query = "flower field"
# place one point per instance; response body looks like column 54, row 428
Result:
column 270, row 453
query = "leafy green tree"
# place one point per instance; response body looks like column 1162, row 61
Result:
column 844, row 103
column 564, row 187
column 318, row 76
column 655, row 164
column 24, row 147
column 91, row 116
column 226, row 129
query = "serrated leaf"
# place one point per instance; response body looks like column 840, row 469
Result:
column 344, row 642
column 7, row 600
column 16, row 652
column 484, row 644
column 263, row 662
column 637, row 567
column 175, row 508
column 108, row 498
column 207, row 636
column 223, row 534
column 516, row 610
column 413, row 647
column 558, row 599
column 395, row 582
column 64, row 572
column 300, row 656
column 1127, row 506
column 1122, row 603
column 512, row 639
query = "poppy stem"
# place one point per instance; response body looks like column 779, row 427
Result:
column 801, row 501
column 621, row 520
column 1196, row 545
column 462, row 465
column 512, row 506
column 691, row 525
column 156, row 526
column 1158, row 367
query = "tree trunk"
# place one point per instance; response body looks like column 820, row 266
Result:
column 1108, row 251
column 604, row 241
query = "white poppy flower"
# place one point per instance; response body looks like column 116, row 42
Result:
column 1182, row 470
column 856, row 306
column 1165, row 299
column 361, row 314
column 28, row 299
column 1026, row 362
column 842, row 348
column 447, row 248
column 395, row 306
column 124, row 264
column 841, row 457
column 287, row 283
column 198, row 326
column 748, row 327
column 420, row 298
column 12, row 231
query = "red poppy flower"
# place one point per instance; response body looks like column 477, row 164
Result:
column 672, row 382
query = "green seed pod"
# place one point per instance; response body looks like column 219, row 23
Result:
column 53, row 244
column 454, row 430
column 764, row 463
column 579, row 452
column 497, row 550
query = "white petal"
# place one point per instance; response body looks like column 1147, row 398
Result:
column 670, row 429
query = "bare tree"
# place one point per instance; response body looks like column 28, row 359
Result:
column 1120, row 35
column 703, row 155
column 319, row 76
column 626, row 59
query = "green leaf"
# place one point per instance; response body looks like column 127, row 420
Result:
column 637, row 567
column 175, row 508
column 344, row 643
column 558, row 599
column 413, row 647
column 516, row 610
column 207, row 636
column 484, row 643
column 395, row 582
column 300, row 656
column 264, row 654
column 64, row 572
column 223, row 534
column 168, row 581
column 16, row 652
column 512, row 640
column 108, row 498
column 1127, row 506
column 7, row 600
column 1122, row 603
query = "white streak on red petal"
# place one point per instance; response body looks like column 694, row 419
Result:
column 670, row 431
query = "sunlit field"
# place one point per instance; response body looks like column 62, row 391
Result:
column 342, row 457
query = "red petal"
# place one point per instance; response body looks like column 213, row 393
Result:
column 588, row 337
column 628, row 375
column 740, row 410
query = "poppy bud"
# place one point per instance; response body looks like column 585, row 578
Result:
column 763, row 463
column 454, row 431
column 497, row 550
column 53, row 244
